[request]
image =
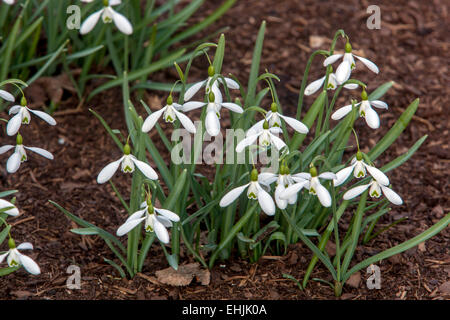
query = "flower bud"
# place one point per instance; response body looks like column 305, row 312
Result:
column 11, row 243
column 313, row 171
column 126, row 149
column 19, row 139
column 274, row 107
column 211, row 71
column 169, row 100
column 254, row 175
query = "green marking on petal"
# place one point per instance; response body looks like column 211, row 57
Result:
column 127, row 169
column 252, row 196
column 375, row 194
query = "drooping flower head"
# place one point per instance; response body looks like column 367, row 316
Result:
column 266, row 137
column 16, row 259
column 108, row 15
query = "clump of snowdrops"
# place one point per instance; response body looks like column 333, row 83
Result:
column 274, row 189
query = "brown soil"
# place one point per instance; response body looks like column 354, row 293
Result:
column 411, row 49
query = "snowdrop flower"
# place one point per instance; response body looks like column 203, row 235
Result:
column 19, row 155
column 255, row 192
column 332, row 84
column 170, row 115
column 274, row 119
column 12, row 211
column 266, row 137
column 214, row 87
column 348, row 63
column 127, row 162
column 312, row 183
column 23, row 116
column 375, row 191
column 6, row 95
column 215, row 104
column 108, row 15
column 156, row 220
column 365, row 110
column 15, row 259
column 283, row 181
column 359, row 167
column 9, row 1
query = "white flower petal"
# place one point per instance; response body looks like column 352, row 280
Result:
column 327, row 175
column 343, row 72
column 351, row 86
column 14, row 124
column 323, row 195
column 151, row 120
column 13, row 163
column 281, row 203
column 212, row 123
column 295, row 124
column 29, row 264
column 185, row 121
column 168, row 214
column 44, row 116
column 246, row 142
column 341, row 112
column 342, row 175
column 314, row 86
column 122, row 23
column 145, row 169
column 14, row 109
column 90, row 22
column 378, row 175
column 6, row 95
column 332, row 59
column 114, row 2
column 369, row 64
column 267, row 178
column 266, row 202
column 302, row 175
column 277, row 142
column 191, row 105
column 161, row 231
column 232, row 195
column 293, row 189
column 13, row 212
column 379, row 104
column 391, row 195
column 41, row 152
column 137, row 214
column 128, row 226
column 5, row 148
column 233, row 107
column 193, row 90
column 3, row 256
column 108, row 171
column 231, row 84
column 164, row 221
column 372, row 119
column 25, row 246
column 356, row 191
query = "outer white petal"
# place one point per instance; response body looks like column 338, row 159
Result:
column 379, row 104
column 168, row 214
column 233, row 107
column 232, row 195
column 266, row 202
column 247, row 141
column 351, row 86
column 10, row 2
column 267, row 178
column 191, row 105
column 332, row 59
column 161, row 231
column 44, row 116
column 193, row 90
column 302, row 175
column 356, row 191
column 342, row 175
column 151, row 120
column 372, row 119
column 41, row 152
column 391, row 195
column 165, row 222
column 29, row 264
column 314, row 86
column 5, row 148
column 293, row 189
column 3, row 256
column 6, row 95
column 122, row 23
column 255, row 129
column 295, row 124
column 277, row 142
column 212, row 123
column 341, row 112
column 137, row 214
column 231, row 84
column 128, row 226
column 14, row 124
column 185, row 121
column 114, row 2
column 145, row 169
column 14, row 212
column 13, row 163
column 378, row 175
column 14, row 109
column 343, row 72
column 327, row 175
column 90, row 22
column 25, row 246
column 108, row 171
column 281, row 203
column 323, row 195
column 369, row 64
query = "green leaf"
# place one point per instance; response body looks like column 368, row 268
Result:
column 7, row 193
column 220, row 52
column 4, row 233
column 380, row 91
column 254, row 70
column 175, row 193
column 116, row 266
column 85, row 231
column 6, row 271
